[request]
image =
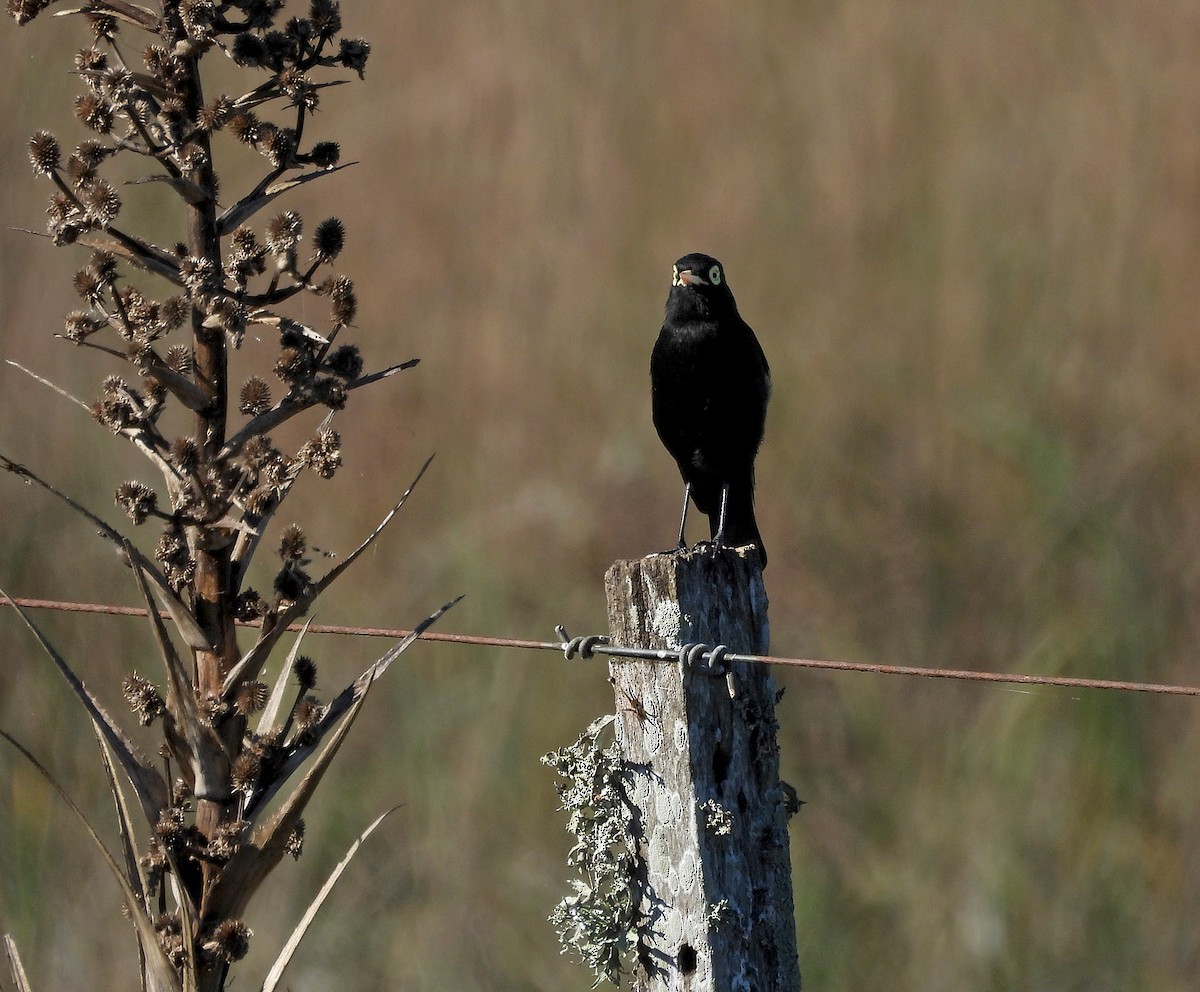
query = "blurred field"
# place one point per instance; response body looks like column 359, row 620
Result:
column 968, row 236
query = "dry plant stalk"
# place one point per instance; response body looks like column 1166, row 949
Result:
column 210, row 843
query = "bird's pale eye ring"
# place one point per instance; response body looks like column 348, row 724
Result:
column 714, row 275
column 674, row 275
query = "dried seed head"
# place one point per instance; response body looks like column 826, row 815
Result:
column 195, row 158
column 292, row 543
column 81, row 172
column 168, row 923
column 185, row 453
column 114, row 385
column 345, row 303
column 91, row 60
column 255, row 397
column 260, row 14
column 244, row 244
column 283, row 232
column 245, row 254
column 279, row 472
column 294, row 845
column 24, row 11
column 79, row 326
column 225, row 843
column 323, row 453
column 102, row 201
column 171, row 941
column 44, row 153
column 156, row 392
column 197, row 18
column 251, row 697
column 196, row 272
column 88, row 285
column 102, row 25
column 141, row 353
column 300, row 28
column 67, row 230
column 179, row 357
column 244, row 126
column 92, row 153
column 229, row 941
column 230, row 313
column 353, row 54
column 299, row 90
column 332, row 393
column 346, row 362
column 325, row 154
column 115, row 414
column 171, row 545
column 306, row 672
column 173, row 114
column 326, row 17
column 155, row 864
column 258, row 451
column 293, row 364
column 249, row 50
column 213, row 116
column 308, row 713
column 104, row 264
column 328, row 240
column 278, row 145
column 173, row 312
column 94, row 113
column 213, row 708
column 143, row 698
column 292, row 80
column 260, row 501
column 281, row 49
column 138, row 500
column 250, row 606
column 181, row 574
column 244, row 771
column 292, row 582
column 170, row 828
column 181, row 794
column 60, row 207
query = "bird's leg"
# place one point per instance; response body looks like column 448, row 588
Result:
column 687, row 494
column 719, row 537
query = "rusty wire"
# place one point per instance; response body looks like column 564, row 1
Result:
column 585, row 646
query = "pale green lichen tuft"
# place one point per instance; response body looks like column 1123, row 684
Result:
column 598, row 920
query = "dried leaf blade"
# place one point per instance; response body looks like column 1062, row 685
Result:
column 160, row 973
column 149, row 785
column 293, row 942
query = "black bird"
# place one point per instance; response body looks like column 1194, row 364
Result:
column 709, row 387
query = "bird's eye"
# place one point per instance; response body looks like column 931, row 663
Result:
column 714, row 275
column 674, row 275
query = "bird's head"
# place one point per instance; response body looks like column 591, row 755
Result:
column 698, row 284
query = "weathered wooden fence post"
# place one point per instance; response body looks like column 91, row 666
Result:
column 711, row 814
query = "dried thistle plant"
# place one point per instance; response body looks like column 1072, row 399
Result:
column 188, row 874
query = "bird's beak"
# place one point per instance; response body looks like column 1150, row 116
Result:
column 689, row 278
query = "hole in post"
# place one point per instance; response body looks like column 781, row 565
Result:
column 720, row 764
column 687, row 959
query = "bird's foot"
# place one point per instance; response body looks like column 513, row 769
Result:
column 674, row 550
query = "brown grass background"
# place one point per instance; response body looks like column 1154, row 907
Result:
column 967, row 235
